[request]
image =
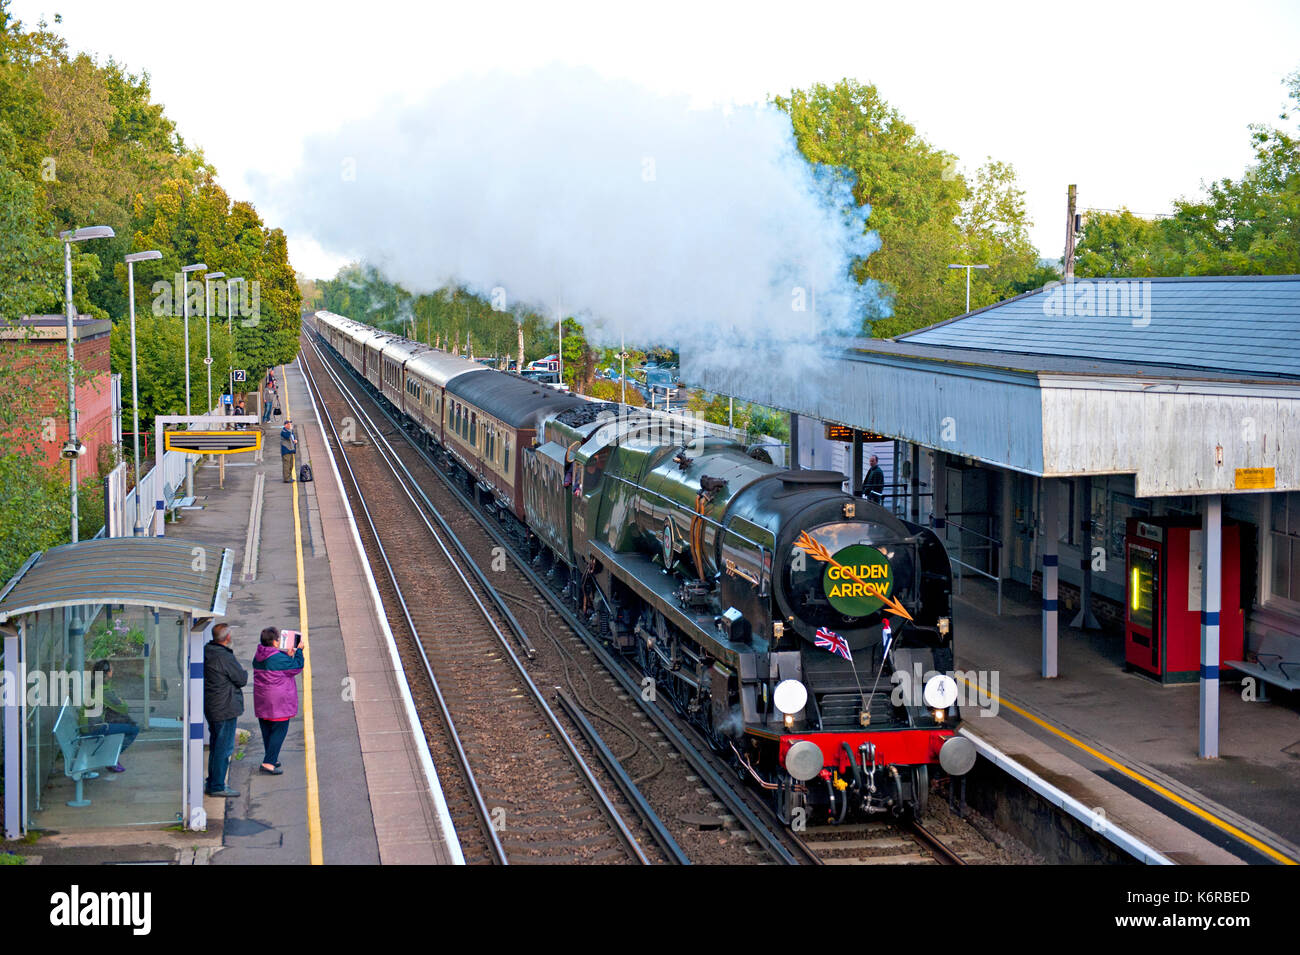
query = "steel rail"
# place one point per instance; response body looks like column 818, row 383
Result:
column 708, row 774
column 484, row 813
column 394, row 463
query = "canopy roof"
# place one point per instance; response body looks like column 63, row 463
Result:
column 150, row 571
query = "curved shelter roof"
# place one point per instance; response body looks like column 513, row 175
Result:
column 150, row 571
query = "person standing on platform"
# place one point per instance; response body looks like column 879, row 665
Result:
column 268, row 400
column 275, row 694
column 239, row 412
column 223, row 702
column 873, row 485
column 288, row 450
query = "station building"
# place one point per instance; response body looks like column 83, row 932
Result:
column 39, row 343
column 1128, row 449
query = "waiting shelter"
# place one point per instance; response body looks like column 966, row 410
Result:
column 145, row 605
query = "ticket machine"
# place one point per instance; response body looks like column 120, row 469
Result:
column 1162, row 618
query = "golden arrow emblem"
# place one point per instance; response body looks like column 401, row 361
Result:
column 818, row 551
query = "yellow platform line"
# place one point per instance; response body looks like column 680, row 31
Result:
column 1137, row 777
column 317, row 855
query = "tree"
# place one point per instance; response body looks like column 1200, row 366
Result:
column 925, row 211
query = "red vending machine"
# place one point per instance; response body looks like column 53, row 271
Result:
column 1162, row 618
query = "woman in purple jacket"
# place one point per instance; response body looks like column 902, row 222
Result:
column 275, row 694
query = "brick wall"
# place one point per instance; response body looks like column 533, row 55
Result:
column 42, row 367
column 1109, row 613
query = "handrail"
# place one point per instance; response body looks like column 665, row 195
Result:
column 993, row 545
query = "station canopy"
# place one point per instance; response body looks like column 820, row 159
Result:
column 150, row 571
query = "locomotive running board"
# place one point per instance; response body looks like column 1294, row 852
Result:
column 659, row 589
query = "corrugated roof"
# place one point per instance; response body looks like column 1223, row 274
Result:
column 153, row 571
column 1236, row 324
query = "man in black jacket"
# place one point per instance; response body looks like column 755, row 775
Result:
column 873, row 486
column 223, row 702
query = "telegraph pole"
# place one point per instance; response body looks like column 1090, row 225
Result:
column 1070, row 218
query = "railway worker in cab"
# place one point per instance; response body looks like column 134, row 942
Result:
column 288, row 450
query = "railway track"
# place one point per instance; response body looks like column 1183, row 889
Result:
column 712, row 819
column 646, row 737
column 892, row 842
column 527, row 796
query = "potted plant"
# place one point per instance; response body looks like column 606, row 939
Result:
column 123, row 644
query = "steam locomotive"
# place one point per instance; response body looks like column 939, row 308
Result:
column 805, row 632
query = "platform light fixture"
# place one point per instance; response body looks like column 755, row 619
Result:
column 131, row 259
column 185, row 315
column 207, row 324
column 74, row 449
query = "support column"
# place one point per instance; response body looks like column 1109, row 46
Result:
column 15, row 682
column 1211, row 600
column 939, row 495
column 794, row 441
column 1047, row 546
column 1084, row 620
column 855, row 488
column 195, row 768
column 916, row 484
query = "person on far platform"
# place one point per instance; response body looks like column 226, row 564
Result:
column 288, row 450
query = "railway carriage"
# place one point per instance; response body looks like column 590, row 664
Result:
column 428, row 373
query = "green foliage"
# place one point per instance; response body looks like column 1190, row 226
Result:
column 1249, row 226
column 928, row 215
column 82, row 143
column 750, row 418
column 116, row 641
column 605, row 390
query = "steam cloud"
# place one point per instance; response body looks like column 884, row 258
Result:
column 700, row 229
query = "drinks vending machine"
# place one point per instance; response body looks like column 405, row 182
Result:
column 1162, row 617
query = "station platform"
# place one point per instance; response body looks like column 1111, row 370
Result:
column 358, row 786
column 1126, row 745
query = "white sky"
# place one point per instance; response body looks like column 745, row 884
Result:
column 1139, row 103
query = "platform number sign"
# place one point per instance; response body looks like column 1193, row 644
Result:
column 240, row 375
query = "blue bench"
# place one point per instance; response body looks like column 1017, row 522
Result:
column 83, row 755
column 172, row 503
column 1276, row 662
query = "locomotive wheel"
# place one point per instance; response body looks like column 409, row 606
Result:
column 921, row 789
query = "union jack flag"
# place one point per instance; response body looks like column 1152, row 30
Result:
column 832, row 641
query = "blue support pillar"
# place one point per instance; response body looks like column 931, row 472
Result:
column 195, row 768
column 1211, row 605
column 1049, row 522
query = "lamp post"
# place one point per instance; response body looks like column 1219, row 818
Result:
column 968, row 268
column 207, row 323
column 185, row 314
column 72, row 450
column 230, row 327
column 131, row 259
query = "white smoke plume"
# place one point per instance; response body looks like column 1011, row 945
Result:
column 705, row 230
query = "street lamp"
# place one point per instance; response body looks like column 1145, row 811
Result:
column 968, row 268
column 131, row 259
column 207, row 322
column 185, row 313
column 73, row 449
column 230, row 327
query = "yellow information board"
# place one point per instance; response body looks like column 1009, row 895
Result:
column 1255, row 479
column 213, row 442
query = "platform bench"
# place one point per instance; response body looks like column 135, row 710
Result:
column 172, row 503
column 82, row 755
column 1272, row 664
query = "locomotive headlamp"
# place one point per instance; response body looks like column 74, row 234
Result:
column 945, row 624
column 790, row 697
column 939, row 715
column 940, row 691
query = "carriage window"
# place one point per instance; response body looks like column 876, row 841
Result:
column 473, row 429
column 507, row 456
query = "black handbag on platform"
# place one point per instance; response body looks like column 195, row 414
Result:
column 304, row 474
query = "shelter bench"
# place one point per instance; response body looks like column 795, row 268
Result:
column 82, row 755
